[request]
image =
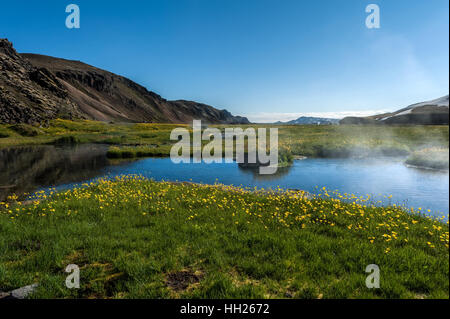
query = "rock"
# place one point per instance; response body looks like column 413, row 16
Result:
column 4, row 295
column 22, row 293
column 29, row 94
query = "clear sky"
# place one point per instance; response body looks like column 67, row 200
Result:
column 267, row 59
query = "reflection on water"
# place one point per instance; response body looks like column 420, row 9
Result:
column 24, row 169
column 254, row 172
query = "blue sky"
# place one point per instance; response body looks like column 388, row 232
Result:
column 267, row 59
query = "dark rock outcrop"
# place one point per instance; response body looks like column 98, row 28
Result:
column 29, row 94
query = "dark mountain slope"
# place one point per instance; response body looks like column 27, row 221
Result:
column 308, row 120
column 434, row 112
column 72, row 89
column 29, row 94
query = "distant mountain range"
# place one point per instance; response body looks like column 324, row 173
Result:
column 434, row 112
column 35, row 88
column 308, row 120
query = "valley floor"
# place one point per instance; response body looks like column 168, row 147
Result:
column 327, row 141
column 135, row 238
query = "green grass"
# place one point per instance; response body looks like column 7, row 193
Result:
column 357, row 140
column 135, row 238
column 138, row 151
column 70, row 132
column 132, row 237
column 435, row 158
column 304, row 140
column 285, row 158
column 4, row 132
column 151, row 140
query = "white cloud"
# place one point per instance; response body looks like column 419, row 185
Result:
column 267, row 117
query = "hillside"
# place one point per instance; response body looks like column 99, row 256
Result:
column 308, row 120
column 34, row 88
column 434, row 112
column 29, row 94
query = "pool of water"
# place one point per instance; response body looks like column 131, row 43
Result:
column 28, row 169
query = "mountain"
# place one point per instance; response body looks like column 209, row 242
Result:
column 434, row 112
column 307, row 120
column 29, row 94
column 34, row 88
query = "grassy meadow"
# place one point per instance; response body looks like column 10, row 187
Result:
column 436, row 158
column 70, row 132
column 143, row 140
column 135, row 238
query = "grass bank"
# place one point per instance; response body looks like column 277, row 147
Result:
column 301, row 140
column 361, row 140
column 435, row 158
column 135, row 238
column 71, row 132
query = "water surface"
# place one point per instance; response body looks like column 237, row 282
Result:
column 26, row 169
